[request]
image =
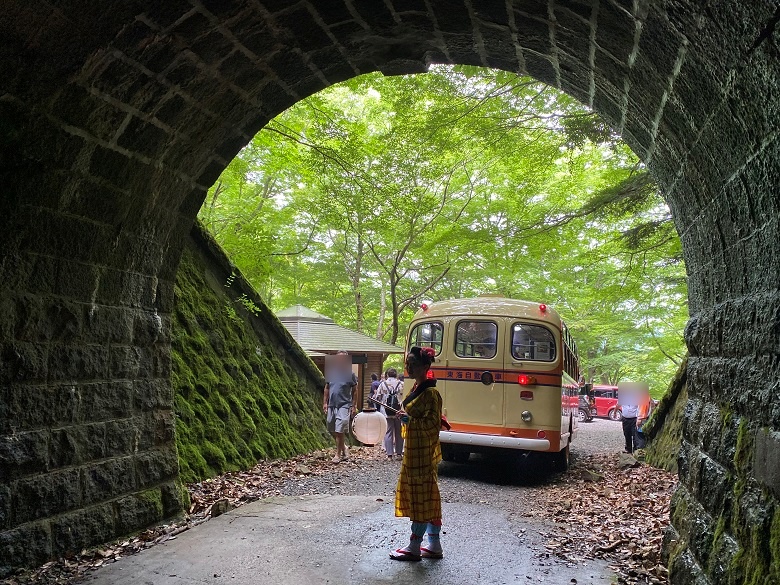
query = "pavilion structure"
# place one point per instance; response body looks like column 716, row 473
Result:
column 320, row 336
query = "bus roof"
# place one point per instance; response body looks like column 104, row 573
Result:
column 489, row 306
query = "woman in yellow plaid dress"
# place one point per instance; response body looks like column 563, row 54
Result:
column 417, row 494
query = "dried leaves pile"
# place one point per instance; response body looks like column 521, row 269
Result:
column 604, row 511
column 599, row 510
column 266, row 478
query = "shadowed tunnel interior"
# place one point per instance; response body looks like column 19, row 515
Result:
column 114, row 123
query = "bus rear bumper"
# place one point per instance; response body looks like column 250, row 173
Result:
column 478, row 440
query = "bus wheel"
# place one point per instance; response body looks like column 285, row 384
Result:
column 448, row 453
column 615, row 414
column 461, row 456
column 560, row 459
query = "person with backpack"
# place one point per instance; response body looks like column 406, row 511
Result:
column 390, row 392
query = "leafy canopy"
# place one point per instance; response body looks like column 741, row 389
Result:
column 367, row 197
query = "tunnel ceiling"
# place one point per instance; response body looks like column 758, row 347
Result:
column 136, row 110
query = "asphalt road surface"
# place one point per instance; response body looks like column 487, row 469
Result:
column 339, row 527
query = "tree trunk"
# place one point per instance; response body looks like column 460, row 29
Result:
column 382, row 309
column 394, row 303
column 356, row 283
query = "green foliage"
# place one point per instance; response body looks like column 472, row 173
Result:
column 233, row 406
column 243, row 300
column 378, row 192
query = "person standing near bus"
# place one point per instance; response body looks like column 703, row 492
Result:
column 389, row 394
column 339, row 400
column 630, row 410
column 417, row 493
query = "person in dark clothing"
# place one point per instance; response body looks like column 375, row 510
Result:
column 374, row 385
column 630, row 411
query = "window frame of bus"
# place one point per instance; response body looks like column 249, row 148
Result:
column 436, row 345
column 553, row 345
column 479, row 357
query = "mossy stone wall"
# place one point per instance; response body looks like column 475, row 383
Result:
column 725, row 512
column 664, row 429
column 244, row 390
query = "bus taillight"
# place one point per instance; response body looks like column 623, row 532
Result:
column 430, row 375
column 526, row 395
column 541, row 435
column 526, row 380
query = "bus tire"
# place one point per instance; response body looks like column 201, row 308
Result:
column 561, row 459
column 448, row 453
column 461, row 456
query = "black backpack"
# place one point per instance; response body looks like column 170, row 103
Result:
column 392, row 396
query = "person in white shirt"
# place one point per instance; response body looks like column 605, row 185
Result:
column 630, row 409
column 390, row 392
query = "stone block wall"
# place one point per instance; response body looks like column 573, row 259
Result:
column 244, row 389
column 664, row 429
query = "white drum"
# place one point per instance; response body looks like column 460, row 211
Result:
column 369, row 426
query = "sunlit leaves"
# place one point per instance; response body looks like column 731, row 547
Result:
column 367, row 196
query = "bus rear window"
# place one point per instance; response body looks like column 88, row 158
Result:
column 476, row 339
column 427, row 335
column 532, row 342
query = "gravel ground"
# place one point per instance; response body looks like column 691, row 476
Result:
column 483, row 477
column 599, row 436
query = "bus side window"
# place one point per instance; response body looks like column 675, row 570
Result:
column 532, row 342
column 429, row 334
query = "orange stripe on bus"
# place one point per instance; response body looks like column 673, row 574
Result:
column 507, row 376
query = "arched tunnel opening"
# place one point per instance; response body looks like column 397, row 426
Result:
column 114, row 124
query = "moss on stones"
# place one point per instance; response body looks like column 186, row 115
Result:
column 153, row 500
column 665, row 427
column 235, row 404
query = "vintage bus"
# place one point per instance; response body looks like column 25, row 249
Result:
column 507, row 371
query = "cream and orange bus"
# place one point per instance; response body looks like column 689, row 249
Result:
column 507, row 371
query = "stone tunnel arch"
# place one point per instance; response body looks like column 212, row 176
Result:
column 114, row 124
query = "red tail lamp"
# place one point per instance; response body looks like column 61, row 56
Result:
column 527, row 395
column 541, row 435
column 425, row 305
column 430, row 375
column 526, row 380
column 543, row 308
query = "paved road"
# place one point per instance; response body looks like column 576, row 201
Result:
column 345, row 540
column 345, row 535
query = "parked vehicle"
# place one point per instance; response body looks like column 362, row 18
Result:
column 586, row 409
column 507, row 372
column 606, row 402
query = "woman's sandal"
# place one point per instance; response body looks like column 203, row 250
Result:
column 427, row 553
column 400, row 554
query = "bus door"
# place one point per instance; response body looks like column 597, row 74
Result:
column 473, row 373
